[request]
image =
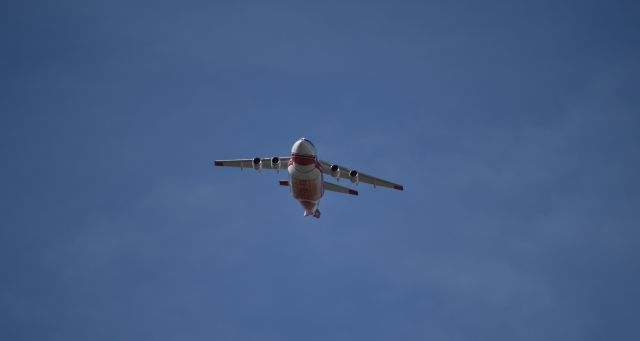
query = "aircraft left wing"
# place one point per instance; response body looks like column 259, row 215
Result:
column 338, row 171
column 276, row 162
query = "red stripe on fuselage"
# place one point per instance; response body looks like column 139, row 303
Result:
column 303, row 160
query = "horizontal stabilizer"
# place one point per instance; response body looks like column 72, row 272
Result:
column 340, row 189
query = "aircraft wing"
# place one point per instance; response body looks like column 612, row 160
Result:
column 344, row 172
column 258, row 162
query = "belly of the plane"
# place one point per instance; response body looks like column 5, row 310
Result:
column 306, row 184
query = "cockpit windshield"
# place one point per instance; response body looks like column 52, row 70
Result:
column 305, row 139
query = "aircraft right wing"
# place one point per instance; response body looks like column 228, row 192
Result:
column 277, row 162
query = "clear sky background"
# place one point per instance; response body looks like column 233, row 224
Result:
column 514, row 126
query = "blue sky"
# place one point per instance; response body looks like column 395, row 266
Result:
column 512, row 124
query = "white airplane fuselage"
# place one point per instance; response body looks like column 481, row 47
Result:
column 305, row 176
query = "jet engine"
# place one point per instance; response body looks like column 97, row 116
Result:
column 335, row 172
column 257, row 163
column 354, row 176
column 275, row 163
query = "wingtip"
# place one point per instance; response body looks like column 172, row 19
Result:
column 217, row 163
column 352, row 192
column 398, row 187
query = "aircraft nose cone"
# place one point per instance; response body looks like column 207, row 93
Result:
column 303, row 147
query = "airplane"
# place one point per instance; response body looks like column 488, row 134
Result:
column 306, row 171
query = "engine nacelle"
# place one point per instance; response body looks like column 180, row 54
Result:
column 257, row 163
column 275, row 163
column 354, row 176
column 335, row 171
